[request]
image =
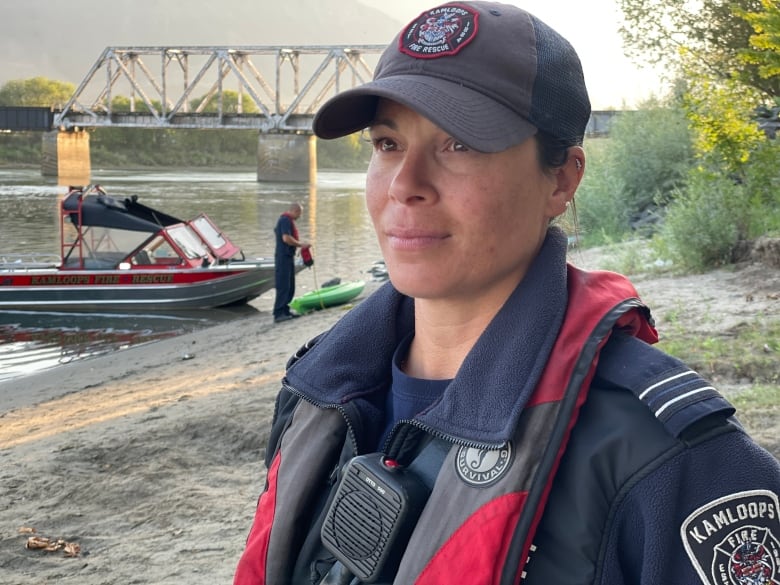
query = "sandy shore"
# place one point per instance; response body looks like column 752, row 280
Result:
column 150, row 458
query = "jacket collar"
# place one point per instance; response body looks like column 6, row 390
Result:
column 485, row 399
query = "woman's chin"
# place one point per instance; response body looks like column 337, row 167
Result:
column 420, row 284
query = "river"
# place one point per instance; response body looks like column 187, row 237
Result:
column 335, row 220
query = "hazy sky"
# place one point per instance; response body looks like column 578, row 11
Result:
column 592, row 27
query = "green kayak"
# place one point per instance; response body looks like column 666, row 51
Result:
column 327, row 296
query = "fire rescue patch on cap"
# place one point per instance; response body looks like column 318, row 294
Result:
column 480, row 467
column 441, row 31
column 735, row 539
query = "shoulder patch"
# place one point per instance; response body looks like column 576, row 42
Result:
column 735, row 540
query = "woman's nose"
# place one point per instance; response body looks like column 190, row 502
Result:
column 412, row 181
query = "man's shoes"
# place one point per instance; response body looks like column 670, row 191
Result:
column 286, row 317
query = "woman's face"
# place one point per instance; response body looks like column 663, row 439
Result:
column 455, row 224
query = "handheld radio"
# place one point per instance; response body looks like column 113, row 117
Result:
column 371, row 517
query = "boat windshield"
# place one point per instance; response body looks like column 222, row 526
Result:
column 100, row 247
column 209, row 232
column 188, row 241
column 99, row 239
column 220, row 245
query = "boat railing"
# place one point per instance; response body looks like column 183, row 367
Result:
column 28, row 261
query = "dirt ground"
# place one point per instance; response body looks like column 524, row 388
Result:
column 150, row 459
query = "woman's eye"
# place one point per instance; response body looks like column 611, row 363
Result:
column 384, row 144
column 459, row 146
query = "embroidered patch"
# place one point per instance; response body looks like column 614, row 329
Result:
column 480, row 467
column 441, row 31
column 735, row 539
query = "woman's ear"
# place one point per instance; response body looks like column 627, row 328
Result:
column 567, row 177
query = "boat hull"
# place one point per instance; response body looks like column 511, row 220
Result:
column 328, row 296
column 134, row 290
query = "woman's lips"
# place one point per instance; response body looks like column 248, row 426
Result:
column 404, row 239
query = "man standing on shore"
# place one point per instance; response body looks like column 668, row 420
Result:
column 284, row 259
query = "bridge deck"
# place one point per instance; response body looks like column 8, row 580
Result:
column 26, row 118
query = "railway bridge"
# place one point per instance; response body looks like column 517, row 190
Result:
column 275, row 90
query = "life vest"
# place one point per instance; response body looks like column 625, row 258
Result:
column 478, row 523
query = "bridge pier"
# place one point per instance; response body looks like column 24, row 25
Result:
column 281, row 158
column 66, row 155
column 287, row 158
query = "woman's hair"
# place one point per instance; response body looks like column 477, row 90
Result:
column 553, row 152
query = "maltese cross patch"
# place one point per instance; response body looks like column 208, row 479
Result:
column 735, row 540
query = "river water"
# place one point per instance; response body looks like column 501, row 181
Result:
column 335, row 220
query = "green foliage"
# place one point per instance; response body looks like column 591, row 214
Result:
column 348, row 153
column 210, row 103
column 762, row 189
column 121, row 103
column 702, row 225
column 718, row 209
column 20, row 148
column 764, row 49
column 602, row 213
column 651, row 151
column 721, row 115
column 140, row 147
column 36, row 92
column 727, row 54
column 637, row 169
column 711, row 32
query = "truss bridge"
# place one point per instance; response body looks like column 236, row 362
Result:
column 271, row 89
column 275, row 90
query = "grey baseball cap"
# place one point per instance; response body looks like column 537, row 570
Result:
column 488, row 74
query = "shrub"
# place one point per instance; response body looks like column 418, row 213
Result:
column 651, row 151
column 633, row 173
column 602, row 212
column 701, row 226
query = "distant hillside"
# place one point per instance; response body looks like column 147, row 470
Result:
column 62, row 39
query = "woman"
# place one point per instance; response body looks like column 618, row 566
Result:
column 493, row 414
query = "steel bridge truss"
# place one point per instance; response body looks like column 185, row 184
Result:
column 272, row 89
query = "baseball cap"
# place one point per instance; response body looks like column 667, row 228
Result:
column 488, row 74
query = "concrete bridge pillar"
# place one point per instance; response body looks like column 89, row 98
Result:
column 66, row 155
column 287, row 158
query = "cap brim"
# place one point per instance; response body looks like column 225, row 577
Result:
column 469, row 116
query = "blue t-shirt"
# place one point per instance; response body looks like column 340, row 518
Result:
column 408, row 396
column 284, row 225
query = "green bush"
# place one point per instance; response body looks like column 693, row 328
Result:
column 702, row 224
column 632, row 174
column 651, row 151
column 349, row 153
column 20, row 148
column 762, row 189
column 602, row 213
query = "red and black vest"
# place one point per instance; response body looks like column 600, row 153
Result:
column 485, row 503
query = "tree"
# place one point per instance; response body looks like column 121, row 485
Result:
column 121, row 103
column 764, row 50
column 710, row 33
column 229, row 103
column 721, row 114
column 36, row 91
